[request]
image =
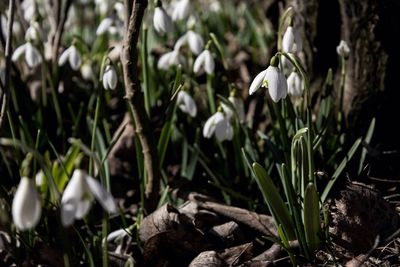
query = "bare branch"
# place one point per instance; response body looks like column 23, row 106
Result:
column 134, row 97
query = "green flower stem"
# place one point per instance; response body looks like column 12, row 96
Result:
column 95, row 122
column 210, row 94
column 145, row 63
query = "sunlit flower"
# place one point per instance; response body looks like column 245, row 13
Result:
column 172, row 58
column 194, row 40
column 112, row 24
column 273, row 79
column 78, row 197
column 343, row 49
column 218, row 125
column 110, row 78
column 186, row 103
column 26, row 206
column 295, row 86
column 204, row 61
column 291, row 41
column 32, row 56
column 73, row 56
column 87, row 71
column 161, row 20
column 238, row 106
column 181, row 10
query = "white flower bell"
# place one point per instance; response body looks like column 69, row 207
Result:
column 295, row 85
column 78, row 197
column 110, row 78
column 73, row 56
column 343, row 49
column 169, row 59
column 33, row 58
column 26, row 207
column 161, row 20
column 218, row 125
column 204, row 61
column 181, row 10
column 194, row 40
column 273, row 79
column 291, row 41
column 186, row 103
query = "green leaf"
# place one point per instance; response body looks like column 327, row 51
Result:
column 271, row 196
column 339, row 170
column 311, row 217
column 367, row 140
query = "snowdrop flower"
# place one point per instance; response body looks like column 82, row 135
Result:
column 26, row 207
column 273, row 79
column 291, row 41
column 87, row 71
column 112, row 24
column 161, row 20
column 295, row 86
column 172, row 58
column 110, row 78
column 73, row 56
column 78, row 197
column 186, row 103
column 204, row 61
column 194, row 40
column 343, row 49
column 181, row 10
column 117, row 237
column 218, row 125
column 32, row 56
column 102, row 6
column 29, row 8
column 238, row 106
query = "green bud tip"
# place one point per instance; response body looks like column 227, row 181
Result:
column 274, row 61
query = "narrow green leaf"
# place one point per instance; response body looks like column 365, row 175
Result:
column 311, row 217
column 367, row 140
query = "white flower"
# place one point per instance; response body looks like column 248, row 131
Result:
column 204, row 60
column 172, row 58
column 161, row 21
column 343, row 49
column 87, row 71
column 73, row 56
column 291, row 41
column 186, row 103
column 26, row 207
column 295, row 86
column 181, row 10
column 32, row 33
column 110, row 78
column 104, row 25
column 117, row 235
column 78, row 197
column 32, row 56
column 194, row 40
column 238, row 105
column 112, row 25
column 273, row 79
column 218, row 125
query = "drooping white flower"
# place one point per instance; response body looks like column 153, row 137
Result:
column 291, row 41
column 26, row 206
column 73, row 56
column 117, row 237
column 273, row 79
column 87, row 71
column 32, row 56
column 343, row 49
column 194, row 40
column 238, row 105
column 181, row 10
column 186, row 103
column 295, row 86
column 162, row 21
column 204, row 61
column 218, row 125
column 110, row 78
column 169, row 59
column 78, row 197
column 113, row 25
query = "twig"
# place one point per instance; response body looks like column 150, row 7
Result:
column 134, row 98
column 6, row 90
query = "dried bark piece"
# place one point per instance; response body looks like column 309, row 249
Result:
column 238, row 254
column 207, row 259
column 229, row 232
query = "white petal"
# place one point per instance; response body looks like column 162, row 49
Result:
column 75, row 59
column 294, row 84
column 273, row 79
column 288, row 40
column 283, row 88
column 32, row 56
column 257, row 82
column 224, row 130
column 186, row 103
column 196, row 42
column 105, row 24
column 181, row 10
column 199, row 62
column 163, row 62
column 211, row 124
column 209, row 64
column 64, row 57
column 103, row 197
column 181, row 41
column 110, row 78
column 26, row 208
column 162, row 22
column 118, row 235
column 18, row 52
